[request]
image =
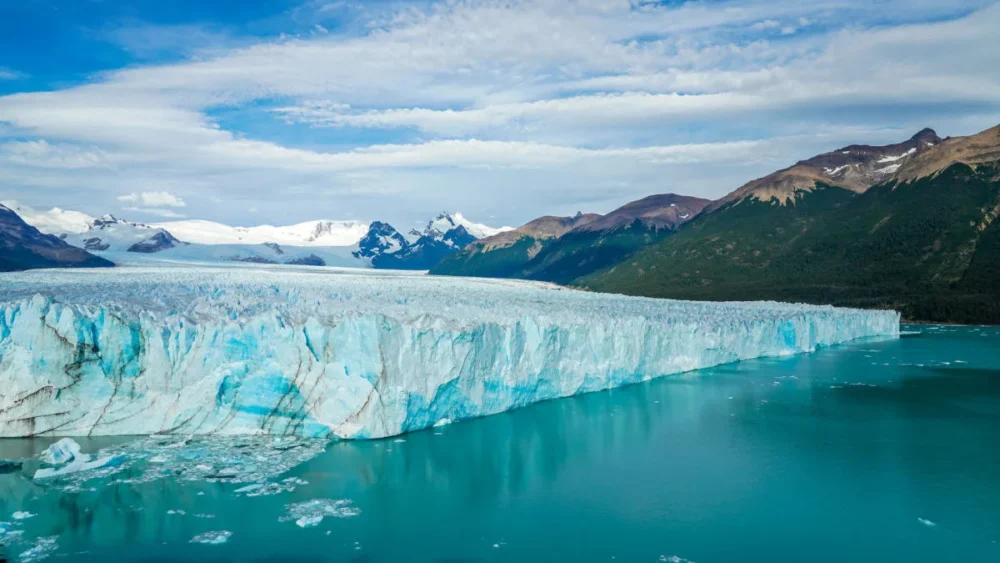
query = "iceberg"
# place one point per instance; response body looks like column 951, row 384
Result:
column 353, row 354
column 66, row 452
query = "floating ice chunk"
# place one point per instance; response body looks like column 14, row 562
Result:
column 309, row 521
column 43, row 548
column 926, row 522
column 212, row 538
column 5, row 527
column 311, row 512
column 63, row 451
column 67, row 453
column 177, row 512
column 22, row 515
column 79, row 464
column 442, row 422
column 267, row 489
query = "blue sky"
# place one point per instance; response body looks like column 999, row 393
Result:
column 277, row 112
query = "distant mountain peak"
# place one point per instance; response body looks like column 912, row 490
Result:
column 926, row 135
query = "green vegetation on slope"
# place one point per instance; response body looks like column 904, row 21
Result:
column 505, row 262
column 558, row 260
column 929, row 248
column 577, row 254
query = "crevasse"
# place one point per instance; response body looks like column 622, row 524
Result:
column 196, row 350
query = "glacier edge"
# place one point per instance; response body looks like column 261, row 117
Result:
column 264, row 350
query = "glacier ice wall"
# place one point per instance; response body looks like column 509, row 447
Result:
column 201, row 350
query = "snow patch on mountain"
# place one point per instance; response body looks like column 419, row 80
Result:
column 448, row 221
column 894, row 158
column 309, row 233
column 55, row 221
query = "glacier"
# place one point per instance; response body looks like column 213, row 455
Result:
column 352, row 354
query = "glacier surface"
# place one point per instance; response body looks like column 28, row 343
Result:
column 318, row 353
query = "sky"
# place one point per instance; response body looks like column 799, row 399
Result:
column 252, row 111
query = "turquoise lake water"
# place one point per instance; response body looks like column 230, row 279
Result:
column 873, row 451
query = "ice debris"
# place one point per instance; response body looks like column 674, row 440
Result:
column 286, row 485
column 43, row 548
column 311, row 512
column 22, row 515
column 212, row 538
column 926, row 522
column 232, row 459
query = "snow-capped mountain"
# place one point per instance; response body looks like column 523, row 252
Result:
column 385, row 247
column 109, row 233
column 447, row 221
column 55, row 221
column 316, row 243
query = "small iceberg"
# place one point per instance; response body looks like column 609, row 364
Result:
column 22, row 515
column 212, row 538
column 311, row 512
column 926, row 522
column 67, row 453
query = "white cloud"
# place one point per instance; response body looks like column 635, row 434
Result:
column 153, row 199
column 8, row 74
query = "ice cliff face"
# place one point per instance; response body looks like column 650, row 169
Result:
column 267, row 350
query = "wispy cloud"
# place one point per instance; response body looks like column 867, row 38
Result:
column 153, row 199
column 9, row 74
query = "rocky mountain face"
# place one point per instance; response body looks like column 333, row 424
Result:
column 23, row 247
column 381, row 239
column 386, row 248
column 560, row 249
column 855, row 167
column 160, row 240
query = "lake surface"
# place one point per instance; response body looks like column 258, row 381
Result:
column 873, row 451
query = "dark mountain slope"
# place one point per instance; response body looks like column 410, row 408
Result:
column 505, row 255
column 23, row 247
